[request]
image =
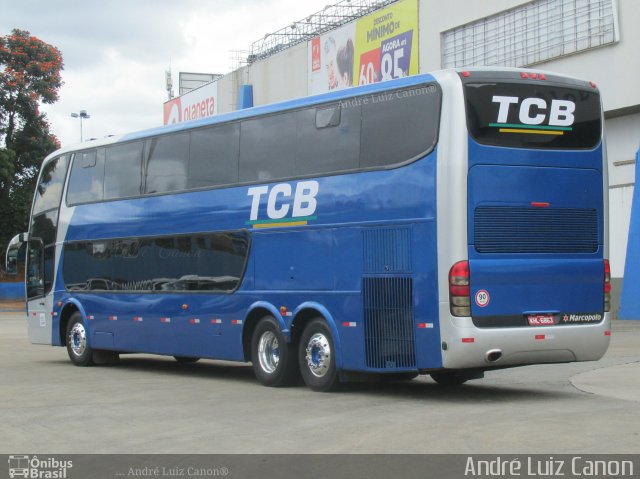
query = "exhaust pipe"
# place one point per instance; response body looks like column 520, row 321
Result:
column 493, row 355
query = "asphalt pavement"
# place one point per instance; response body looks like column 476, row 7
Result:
column 152, row 404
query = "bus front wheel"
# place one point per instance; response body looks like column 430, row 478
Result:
column 273, row 358
column 316, row 355
column 77, row 341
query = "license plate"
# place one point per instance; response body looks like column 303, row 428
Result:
column 541, row 319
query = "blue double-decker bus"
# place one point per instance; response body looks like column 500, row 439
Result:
column 444, row 224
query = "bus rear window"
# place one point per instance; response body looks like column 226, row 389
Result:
column 527, row 115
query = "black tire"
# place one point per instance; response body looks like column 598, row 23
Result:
column 450, row 379
column 186, row 359
column 273, row 358
column 316, row 356
column 77, row 341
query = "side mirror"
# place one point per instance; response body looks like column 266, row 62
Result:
column 12, row 254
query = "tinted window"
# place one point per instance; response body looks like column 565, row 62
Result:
column 49, row 190
column 206, row 262
column 214, row 156
column 123, row 171
column 43, row 227
column 87, row 177
column 43, row 238
column 267, row 147
column 168, row 164
column 328, row 139
column 532, row 115
column 399, row 125
column 35, row 269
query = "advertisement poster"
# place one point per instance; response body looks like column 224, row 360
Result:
column 379, row 47
column 198, row 103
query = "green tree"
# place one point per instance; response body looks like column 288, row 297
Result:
column 29, row 75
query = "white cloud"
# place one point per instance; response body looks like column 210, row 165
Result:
column 116, row 52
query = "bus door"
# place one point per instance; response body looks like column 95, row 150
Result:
column 535, row 201
column 41, row 252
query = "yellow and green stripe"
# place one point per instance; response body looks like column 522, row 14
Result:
column 530, row 129
column 281, row 223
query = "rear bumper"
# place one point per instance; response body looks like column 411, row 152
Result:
column 467, row 346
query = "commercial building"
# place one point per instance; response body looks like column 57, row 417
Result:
column 596, row 40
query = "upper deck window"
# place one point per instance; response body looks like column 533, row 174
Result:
column 49, row 189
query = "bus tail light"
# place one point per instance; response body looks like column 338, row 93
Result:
column 607, row 286
column 459, row 289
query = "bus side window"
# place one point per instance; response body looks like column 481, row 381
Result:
column 328, row 139
column 123, row 171
column 397, row 128
column 267, row 147
column 213, row 156
column 86, row 183
column 168, row 164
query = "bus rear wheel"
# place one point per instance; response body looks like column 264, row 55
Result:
column 77, row 341
column 273, row 358
column 316, row 355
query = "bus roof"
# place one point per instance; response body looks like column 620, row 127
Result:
column 293, row 104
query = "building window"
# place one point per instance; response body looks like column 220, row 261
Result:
column 532, row 33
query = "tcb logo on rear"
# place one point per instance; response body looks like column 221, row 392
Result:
column 535, row 111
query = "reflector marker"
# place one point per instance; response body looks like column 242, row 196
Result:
column 349, row 324
column 53, row 313
column 113, row 318
column 540, row 337
column 468, row 340
column 540, row 204
column 165, row 320
column 236, row 321
column 90, row 317
column 425, row 325
column 216, row 321
column 194, row 321
column 137, row 319
column 607, row 333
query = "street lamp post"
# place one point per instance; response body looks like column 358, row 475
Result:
column 83, row 115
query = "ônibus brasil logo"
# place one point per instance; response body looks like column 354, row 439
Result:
column 38, row 468
column 533, row 113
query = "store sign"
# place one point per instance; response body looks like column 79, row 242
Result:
column 199, row 103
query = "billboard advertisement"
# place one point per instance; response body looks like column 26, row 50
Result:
column 198, row 103
column 381, row 46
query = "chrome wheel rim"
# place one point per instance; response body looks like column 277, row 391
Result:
column 268, row 352
column 77, row 339
column 318, row 355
